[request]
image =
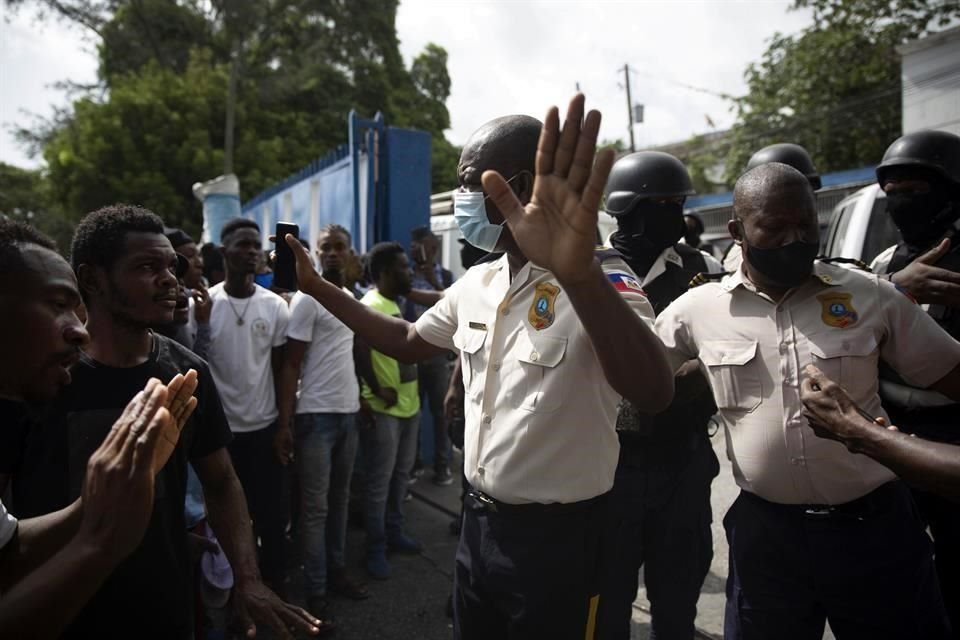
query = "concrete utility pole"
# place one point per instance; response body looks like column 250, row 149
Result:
column 626, row 77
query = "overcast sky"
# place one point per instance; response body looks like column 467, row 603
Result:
column 507, row 56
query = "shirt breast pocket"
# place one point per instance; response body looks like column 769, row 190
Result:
column 851, row 360
column 542, row 387
column 470, row 344
column 734, row 373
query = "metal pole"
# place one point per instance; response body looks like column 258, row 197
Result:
column 626, row 76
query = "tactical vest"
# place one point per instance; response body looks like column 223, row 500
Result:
column 684, row 423
column 938, row 422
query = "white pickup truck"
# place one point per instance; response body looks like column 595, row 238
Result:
column 860, row 227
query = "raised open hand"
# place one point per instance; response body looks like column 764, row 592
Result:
column 557, row 230
column 118, row 489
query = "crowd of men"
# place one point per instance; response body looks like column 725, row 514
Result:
column 159, row 397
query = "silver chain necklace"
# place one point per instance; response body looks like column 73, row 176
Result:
column 240, row 316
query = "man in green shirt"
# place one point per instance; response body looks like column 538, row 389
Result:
column 390, row 445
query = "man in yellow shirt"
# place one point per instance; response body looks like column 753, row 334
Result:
column 390, row 445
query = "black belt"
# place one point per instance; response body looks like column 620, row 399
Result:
column 877, row 500
column 480, row 501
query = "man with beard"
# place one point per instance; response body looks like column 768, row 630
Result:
column 390, row 445
column 248, row 328
column 660, row 506
column 124, row 265
column 323, row 436
column 817, row 533
column 920, row 175
column 51, row 565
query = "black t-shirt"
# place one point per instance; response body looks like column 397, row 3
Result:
column 149, row 594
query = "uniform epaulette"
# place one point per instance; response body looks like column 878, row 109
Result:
column 606, row 253
column 858, row 264
column 704, row 278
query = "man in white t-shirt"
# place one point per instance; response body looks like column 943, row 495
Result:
column 248, row 329
column 323, row 433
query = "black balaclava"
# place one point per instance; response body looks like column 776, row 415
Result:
column 648, row 229
column 922, row 218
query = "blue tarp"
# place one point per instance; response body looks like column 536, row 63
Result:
column 838, row 178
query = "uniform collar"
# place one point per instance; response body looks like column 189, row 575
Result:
column 822, row 273
column 659, row 266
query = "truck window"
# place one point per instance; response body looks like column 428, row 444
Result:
column 840, row 233
column 881, row 232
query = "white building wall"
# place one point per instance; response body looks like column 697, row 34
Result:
column 931, row 82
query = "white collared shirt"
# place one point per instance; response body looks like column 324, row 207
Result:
column 540, row 415
column 754, row 350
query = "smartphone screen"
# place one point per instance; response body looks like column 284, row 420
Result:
column 285, row 269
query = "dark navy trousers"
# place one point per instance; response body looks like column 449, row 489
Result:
column 943, row 518
column 659, row 519
column 529, row 572
column 866, row 566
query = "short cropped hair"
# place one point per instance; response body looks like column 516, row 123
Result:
column 177, row 237
column 383, row 256
column 15, row 236
column 235, row 224
column 99, row 238
column 336, row 228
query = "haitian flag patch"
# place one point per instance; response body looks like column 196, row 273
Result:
column 624, row 283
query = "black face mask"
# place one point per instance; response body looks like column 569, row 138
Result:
column 647, row 230
column 922, row 218
column 787, row 266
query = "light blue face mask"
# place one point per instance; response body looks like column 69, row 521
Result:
column 470, row 212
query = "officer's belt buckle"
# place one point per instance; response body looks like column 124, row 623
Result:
column 484, row 499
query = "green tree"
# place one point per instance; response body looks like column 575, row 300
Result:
column 147, row 144
column 156, row 121
column 25, row 196
column 834, row 88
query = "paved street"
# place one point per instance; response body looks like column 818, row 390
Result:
column 412, row 603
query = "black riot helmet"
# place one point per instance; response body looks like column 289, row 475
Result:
column 928, row 150
column 787, row 153
column 644, row 175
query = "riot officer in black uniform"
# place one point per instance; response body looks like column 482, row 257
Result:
column 920, row 175
column 660, row 503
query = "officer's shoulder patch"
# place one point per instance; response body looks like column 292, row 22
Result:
column 851, row 262
column 704, row 278
column 607, row 253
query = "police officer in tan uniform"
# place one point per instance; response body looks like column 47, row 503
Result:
column 549, row 337
column 784, row 153
column 817, row 533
